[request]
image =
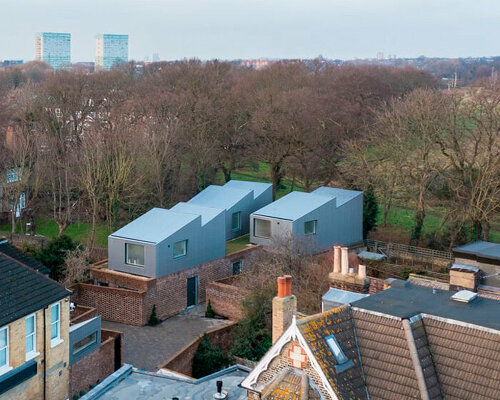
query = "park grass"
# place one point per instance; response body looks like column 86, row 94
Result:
column 78, row 231
column 237, row 244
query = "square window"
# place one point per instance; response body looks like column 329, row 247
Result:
column 180, row 249
column 310, row 227
column 262, row 228
column 237, row 267
column 236, row 221
column 134, row 254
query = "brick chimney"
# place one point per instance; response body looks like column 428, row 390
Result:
column 336, row 259
column 284, row 307
column 348, row 278
column 465, row 277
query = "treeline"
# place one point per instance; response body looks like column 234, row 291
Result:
column 114, row 144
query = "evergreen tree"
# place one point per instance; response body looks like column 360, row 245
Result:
column 208, row 359
column 54, row 255
column 370, row 211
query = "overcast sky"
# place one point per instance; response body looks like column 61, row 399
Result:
column 231, row 29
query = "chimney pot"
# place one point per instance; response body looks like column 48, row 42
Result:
column 345, row 260
column 288, row 285
column 362, row 271
column 281, row 287
column 336, row 259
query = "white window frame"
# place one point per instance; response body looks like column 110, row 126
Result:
column 256, row 222
column 143, row 254
column 5, row 368
column 56, row 340
column 315, row 224
column 185, row 249
column 33, row 353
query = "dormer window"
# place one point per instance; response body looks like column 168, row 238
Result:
column 343, row 362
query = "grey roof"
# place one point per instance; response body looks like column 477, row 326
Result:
column 342, row 195
column 410, row 300
column 10, row 251
column 207, row 213
column 293, row 206
column 24, row 290
column 155, row 226
column 480, row 248
column 219, row 196
column 141, row 385
column 257, row 187
column 368, row 255
column 340, row 296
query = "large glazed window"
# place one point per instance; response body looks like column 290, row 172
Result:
column 262, row 228
column 236, row 221
column 84, row 343
column 310, row 227
column 134, row 254
column 180, row 248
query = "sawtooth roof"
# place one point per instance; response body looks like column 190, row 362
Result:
column 257, row 187
column 220, row 196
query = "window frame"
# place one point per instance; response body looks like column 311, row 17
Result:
column 86, row 345
column 54, row 341
column 240, row 268
column 185, row 249
column 6, row 367
column 255, row 222
column 315, row 224
column 33, row 353
column 238, row 214
column 339, row 355
column 143, row 255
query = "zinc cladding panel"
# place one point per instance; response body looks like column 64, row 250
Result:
column 24, row 291
column 337, row 322
column 467, row 360
column 385, row 356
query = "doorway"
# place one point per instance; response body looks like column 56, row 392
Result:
column 192, row 291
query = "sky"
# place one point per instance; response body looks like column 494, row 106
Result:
column 234, row 29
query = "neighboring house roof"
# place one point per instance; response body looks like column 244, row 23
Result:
column 219, row 196
column 481, row 249
column 207, row 213
column 11, row 251
column 293, row 206
column 155, row 226
column 340, row 296
column 404, row 342
column 257, row 187
column 130, row 383
column 342, row 195
column 24, row 290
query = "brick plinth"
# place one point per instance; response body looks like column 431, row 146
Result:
column 350, row 282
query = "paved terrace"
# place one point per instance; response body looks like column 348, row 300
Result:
column 147, row 347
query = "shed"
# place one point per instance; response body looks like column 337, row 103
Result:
column 338, row 297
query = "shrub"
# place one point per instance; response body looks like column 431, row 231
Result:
column 209, row 359
column 54, row 255
column 153, row 318
column 209, row 312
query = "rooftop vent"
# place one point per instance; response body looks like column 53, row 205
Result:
column 220, row 393
column 464, row 296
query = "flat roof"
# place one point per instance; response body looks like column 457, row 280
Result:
column 219, row 196
column 342, row 195
column 293, row 206
column 155, row 226
column 257, row 187
column 410, row 300
column 341, row 296
column 141, row 385
column 481, row 248
column 207, row 213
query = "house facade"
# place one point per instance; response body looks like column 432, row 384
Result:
column 34, row 332
column 315, row 220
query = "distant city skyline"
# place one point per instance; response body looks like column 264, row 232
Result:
column 251, row 29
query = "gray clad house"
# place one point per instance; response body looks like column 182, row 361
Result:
column 238, row 199
column 161, row 241
column 317, row 220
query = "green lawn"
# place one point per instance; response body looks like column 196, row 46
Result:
column 237, row 244
column 79, row 231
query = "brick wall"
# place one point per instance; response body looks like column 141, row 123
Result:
column 226, row 298
column 182, row 361
column 96, row 366
column 113, row 304
column 376, row 285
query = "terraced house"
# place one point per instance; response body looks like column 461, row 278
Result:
column 34, row 330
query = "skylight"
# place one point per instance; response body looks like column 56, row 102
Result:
column 335, row 348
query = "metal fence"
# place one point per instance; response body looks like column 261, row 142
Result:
column 398, row 249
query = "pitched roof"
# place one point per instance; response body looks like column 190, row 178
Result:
column 342, row 195
column 293, row 206
column 24, row 290
column 10, row 251
column 257, row 187
column 207, row 213
column 220, row 196
column 155, row 226
column 347, row 382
